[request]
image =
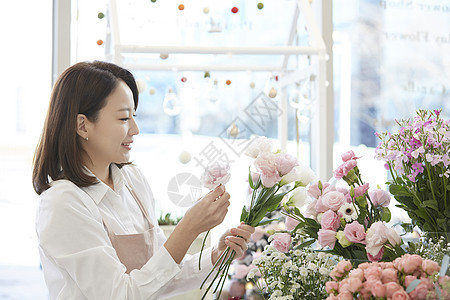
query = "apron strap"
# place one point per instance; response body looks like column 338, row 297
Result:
column 141, row 206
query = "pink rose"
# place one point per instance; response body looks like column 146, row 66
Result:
column 411, row 263
column 379, row 289
column 265, row 163
column 375, row 238
column 361, row 190
column 330, row 220
column 379, row 197
column 373, row 271
column 355, row 233
column 348, row 155
column 285, row 163
column 389, row 275
column 331, row 287
column 281, row 241
column 421, row 291
column 291, row 223
column 343, row 266
column 214, row 175
column 430, row 267
column 409, row 279
column 354, row 284
column 333, row 200
column 377, row 257
column 400, row 295
column 327, row 238
column 391, row 288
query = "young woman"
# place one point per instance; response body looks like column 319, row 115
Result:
column 98, row 235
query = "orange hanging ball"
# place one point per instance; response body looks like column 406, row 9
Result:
column 181, row 6
column 228, row 82
column 99, row 42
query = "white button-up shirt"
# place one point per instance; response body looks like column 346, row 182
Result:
column 77, row 257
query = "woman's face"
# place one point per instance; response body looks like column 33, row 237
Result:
column 111, row 135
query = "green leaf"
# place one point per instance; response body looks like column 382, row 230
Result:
column 448, row 187
column 362, row 201
column 398, row 190
column 431, row 204
column 250, row 179
column 244, row 214
column 408, row 227
column 305, row 244
column 265, row 222
column 385, row 214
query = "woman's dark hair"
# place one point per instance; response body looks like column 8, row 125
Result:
column 81, row 89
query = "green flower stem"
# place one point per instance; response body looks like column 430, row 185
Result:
column 431, row 182
column 225, row 272
column 219, row 261
column 201, row 250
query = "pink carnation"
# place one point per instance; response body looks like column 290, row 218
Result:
column 348, row 156
column 281, row 241
column 285, row 163
column 266, row 165
column 214, row 175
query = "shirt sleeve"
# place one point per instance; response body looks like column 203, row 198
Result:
column 72, row 236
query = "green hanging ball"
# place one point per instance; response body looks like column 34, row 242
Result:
column 207, row 75
column 101, row 15
column 153, row 1
column 260, row 5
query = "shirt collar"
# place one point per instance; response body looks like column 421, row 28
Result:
column 98, row 190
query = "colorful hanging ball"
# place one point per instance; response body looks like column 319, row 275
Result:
column 101, row 15
column 206, row 75
column 234, row 10
column 233, row 131
column 164, row 55
column 252, row 85
column 99, row 42
column 228, row 82
column 260, row 5
column 183, row 79
column 206, row 10
column 152, row 91
column 153, row 1
column 181, row 6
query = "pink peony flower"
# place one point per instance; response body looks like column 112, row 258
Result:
column 258, row 144
column 375, row 238
column 400, row 295
column 333, row 200
column 430, row 267
column 331, row 287
column 421, row 290
column 291, row 223
column 357, row 273
column 281, row 241
column 345, row 295
column 265, row 163
column 330, row 220
column 410, row 263
column 379, row 197
column 343, row 266
column 214, row 175
column 389, row 275
column 355, row 233
column 373, row 270
column 391, row 288
column 378, row 289
column 348, row 156
column 354, row 284
column 327, row 238
column 285, row 163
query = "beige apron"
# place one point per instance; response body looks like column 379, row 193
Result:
column 133, row 250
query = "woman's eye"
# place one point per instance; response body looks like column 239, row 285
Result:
column 124, row 119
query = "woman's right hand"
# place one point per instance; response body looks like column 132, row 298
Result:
column 208, row 212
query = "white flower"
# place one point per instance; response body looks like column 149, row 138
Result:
column 323, row 271
column 312, row 266
column 257, row 145
column 302, row 175
column 349, row 211
column 298, row 197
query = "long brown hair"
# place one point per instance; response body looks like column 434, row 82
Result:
column 81, row 89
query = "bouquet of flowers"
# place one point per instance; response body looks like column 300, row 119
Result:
column 274, row 176
column 350, row 222
column 407, row 277
column 419, row 162
column 289, row 273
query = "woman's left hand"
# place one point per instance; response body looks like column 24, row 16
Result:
column 235, row 238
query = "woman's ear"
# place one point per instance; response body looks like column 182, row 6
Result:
column 82, row 130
